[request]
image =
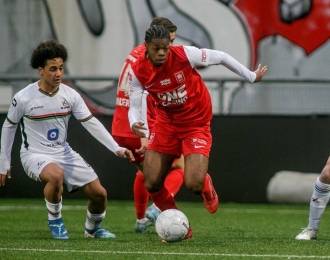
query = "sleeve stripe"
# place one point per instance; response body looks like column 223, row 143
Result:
column 13, row 123
column 85, row 119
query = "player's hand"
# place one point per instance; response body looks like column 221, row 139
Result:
column 260, row 72
column 143, row 148
column 3, row 176
column 139, row 129
column 125, row 153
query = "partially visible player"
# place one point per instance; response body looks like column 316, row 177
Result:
column 317, row 205
column 43, row 110
column 122, row 133
column 184, row 112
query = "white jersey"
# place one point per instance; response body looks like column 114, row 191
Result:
column 44, row 119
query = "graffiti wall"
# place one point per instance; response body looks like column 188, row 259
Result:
column 290, row 36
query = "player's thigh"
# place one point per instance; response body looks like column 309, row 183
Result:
column 53, row 173
column 196, row 167
column 40, row 167
column 197, row 140
column 156, row 166
column 77, row 172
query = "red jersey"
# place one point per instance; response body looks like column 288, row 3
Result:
column 181, row 96
column 120, row 123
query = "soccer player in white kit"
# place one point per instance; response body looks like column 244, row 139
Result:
column 43, row 109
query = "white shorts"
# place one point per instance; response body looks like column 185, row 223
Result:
column 77, row 172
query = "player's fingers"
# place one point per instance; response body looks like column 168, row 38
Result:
column 141, row 150
column 130, row 156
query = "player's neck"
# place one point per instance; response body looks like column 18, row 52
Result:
column 46, row 88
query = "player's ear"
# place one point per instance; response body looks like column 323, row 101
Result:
column 40, row 70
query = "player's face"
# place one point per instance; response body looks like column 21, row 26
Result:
column 158, row 50
column 53, row 72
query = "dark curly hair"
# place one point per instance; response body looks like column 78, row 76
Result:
column 167, row 23
column 156, row 32
column 47, row 50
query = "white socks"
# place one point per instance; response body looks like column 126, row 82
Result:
column 54, row 210
column 318, row 203
column 93, row 220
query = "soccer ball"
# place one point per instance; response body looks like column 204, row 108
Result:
column 172, row 225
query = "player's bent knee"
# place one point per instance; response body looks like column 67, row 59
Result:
column 194, row 186
column 101, row 194
column 53, row 175
column 325, row 175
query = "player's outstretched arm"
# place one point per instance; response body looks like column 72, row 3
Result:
column 206, row 57
column 260, row 72
column 98, row 131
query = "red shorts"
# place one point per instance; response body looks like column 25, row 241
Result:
column 178, row 141
column 130, row 143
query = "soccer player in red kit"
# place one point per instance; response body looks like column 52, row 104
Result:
column 122, row 133
column 184, row 112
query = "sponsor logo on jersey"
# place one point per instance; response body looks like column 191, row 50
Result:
column 53, row 134
column 65, row 104
column 36, row 107
column 165, row 82
column 179, row 76
column 175, row 97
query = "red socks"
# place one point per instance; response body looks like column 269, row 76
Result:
column 174, row 180
column 163, row 199
column 141, row 195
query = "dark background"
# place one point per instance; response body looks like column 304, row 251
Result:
column 247, row 151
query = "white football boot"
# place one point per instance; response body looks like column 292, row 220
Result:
column 307, row 234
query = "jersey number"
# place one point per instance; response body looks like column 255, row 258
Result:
column 52, row 134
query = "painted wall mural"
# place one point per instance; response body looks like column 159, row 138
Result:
column 291, row 36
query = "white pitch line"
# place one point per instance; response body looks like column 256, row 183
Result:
column 229, row 210
column 165, row 253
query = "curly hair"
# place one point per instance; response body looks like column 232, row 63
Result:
column 167, row 23
column 45, row 51
column 156, row 32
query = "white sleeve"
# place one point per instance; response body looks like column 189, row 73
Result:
column 137, row 96
column 79, row 108
column 100, row 133
column 16, row 109
column 144, row 111
column 14, row 115
column 206, row 57
column 7, row 139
